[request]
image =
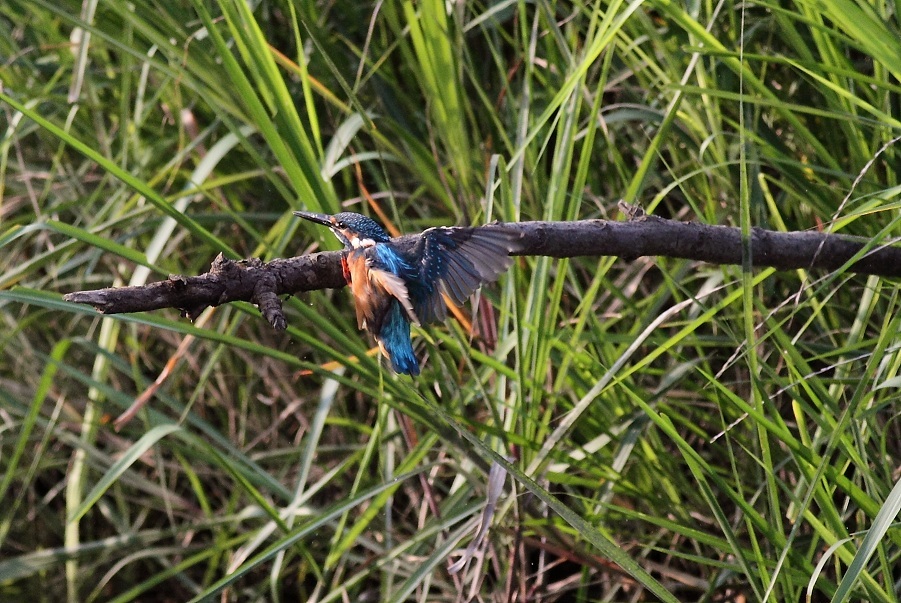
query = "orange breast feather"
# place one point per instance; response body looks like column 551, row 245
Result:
column 373, row 290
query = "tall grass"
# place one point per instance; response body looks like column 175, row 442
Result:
column 669, row 430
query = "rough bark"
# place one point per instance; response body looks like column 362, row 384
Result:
column 262, row 283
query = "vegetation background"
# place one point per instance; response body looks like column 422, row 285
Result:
column 676, row 431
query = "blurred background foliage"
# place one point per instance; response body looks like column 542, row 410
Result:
column 674, row 431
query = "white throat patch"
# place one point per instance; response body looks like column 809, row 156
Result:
column 359, row 243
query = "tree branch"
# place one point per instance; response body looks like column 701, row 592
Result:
column 262, row 283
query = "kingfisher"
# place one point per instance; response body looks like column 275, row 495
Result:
column 398, row 281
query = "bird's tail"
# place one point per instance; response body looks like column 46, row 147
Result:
column 394, row 341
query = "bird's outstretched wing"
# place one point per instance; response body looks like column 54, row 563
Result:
column 456, row 261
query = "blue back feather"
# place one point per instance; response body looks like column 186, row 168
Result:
column 386, row 258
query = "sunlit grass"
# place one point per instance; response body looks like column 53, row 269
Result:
column 697, row 432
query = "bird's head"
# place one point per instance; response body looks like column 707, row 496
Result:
column 353, row 230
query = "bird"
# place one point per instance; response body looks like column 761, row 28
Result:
column 399, row 281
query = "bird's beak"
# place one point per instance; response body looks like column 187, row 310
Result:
column 314, row 217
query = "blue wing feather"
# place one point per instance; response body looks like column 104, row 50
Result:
column 457, row 261
column 453, row 261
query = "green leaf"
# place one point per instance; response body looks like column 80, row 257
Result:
column 129, row 458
